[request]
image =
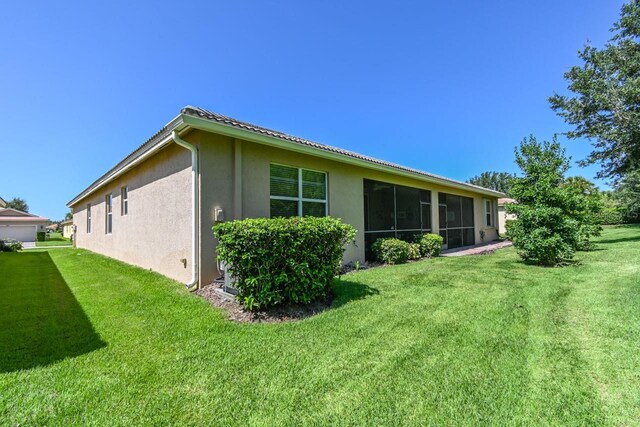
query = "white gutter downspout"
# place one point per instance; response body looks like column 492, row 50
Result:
column 193, row 283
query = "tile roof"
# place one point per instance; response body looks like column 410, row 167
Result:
column 238, row 124
column 10, row 214
column 503, row 200
column 229, row 121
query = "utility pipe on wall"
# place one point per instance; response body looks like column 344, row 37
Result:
column 192, row 284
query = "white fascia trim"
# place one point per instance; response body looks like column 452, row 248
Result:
column 227, row 130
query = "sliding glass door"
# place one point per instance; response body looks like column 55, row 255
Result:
column 456, row 220
column 394, row 211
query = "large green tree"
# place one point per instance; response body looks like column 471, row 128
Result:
column 547, row 228
column 19, row 204
column 605, row 104
column 499, row 181
column 587, row 208
column 627, row 194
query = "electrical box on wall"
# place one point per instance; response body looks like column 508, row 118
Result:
column 218, row 215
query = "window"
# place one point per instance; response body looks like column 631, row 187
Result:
column 456, row 220
column 488, row 211
column 394, row 211
column 88, row 218
column 124, row 200
column 108, row 214
column 297, row 192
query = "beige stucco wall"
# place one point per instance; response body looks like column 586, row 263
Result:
column 156, row 232
column 224, row 158
column 67, row 230
column 234, row 177
column 503, row 217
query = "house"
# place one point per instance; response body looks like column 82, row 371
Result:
column 67, row 229
column 52, row 227
column 156, row 207
column 503, row 216
column 18, row 225
column 3, row 203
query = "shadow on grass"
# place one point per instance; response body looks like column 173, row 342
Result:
column 347, row 291
column 41, row 322
column 620, row 240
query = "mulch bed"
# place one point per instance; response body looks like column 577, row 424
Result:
column 237, row 313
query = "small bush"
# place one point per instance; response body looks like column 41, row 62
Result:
column 10, row 245
column 430, row 245
column 414, row 251
column 40, row 236
column 391, row 250
column 282, row 260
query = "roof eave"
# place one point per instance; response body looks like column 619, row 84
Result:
column 176, row 123
column 227, row 130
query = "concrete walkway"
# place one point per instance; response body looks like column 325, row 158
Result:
column 45, row 247
column 484, row 248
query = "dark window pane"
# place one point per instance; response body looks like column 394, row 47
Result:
column 314, row 185
column 455, row 238
column 468, row 235
column 409, row 236
column 425, row 196
column 442, row 216
column 284, row 181
column 442, row 198
column 488, row 219
column 313, row 209
column 285, row 208
column 467, row 211
column 379, row 209
column 443, row 233
column 426, row 216
column 407, row 208
column 454, row 217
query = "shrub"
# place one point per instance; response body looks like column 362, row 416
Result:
column 40, row 236
column 414, row 251
column 282, row 260
column 553, row 217
column 430, row 245
column 10, row 245
column 391, row 250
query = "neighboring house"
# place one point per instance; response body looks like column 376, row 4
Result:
column 67, row 228
column 503, row 216
column 22, row 226
column 52, row 227
column 155, row 208
column 3, row 204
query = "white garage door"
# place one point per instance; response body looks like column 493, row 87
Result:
column 23, row 233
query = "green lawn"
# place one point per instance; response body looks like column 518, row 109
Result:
column 464, row 341
column 54, row 239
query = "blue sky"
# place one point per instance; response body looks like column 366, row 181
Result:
column 447, row 87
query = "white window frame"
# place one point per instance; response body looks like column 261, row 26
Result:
column 108, row 210
column 124, row 200
column 488, row 210
column 88, row 218
column 301, row 199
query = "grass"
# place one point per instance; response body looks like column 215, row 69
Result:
column 464, row 341
column 54, row 239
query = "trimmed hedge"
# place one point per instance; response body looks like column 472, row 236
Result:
column 430, row 245
column 391, row 250
column 282, row 260
column 41, row 236
column 414, row 251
